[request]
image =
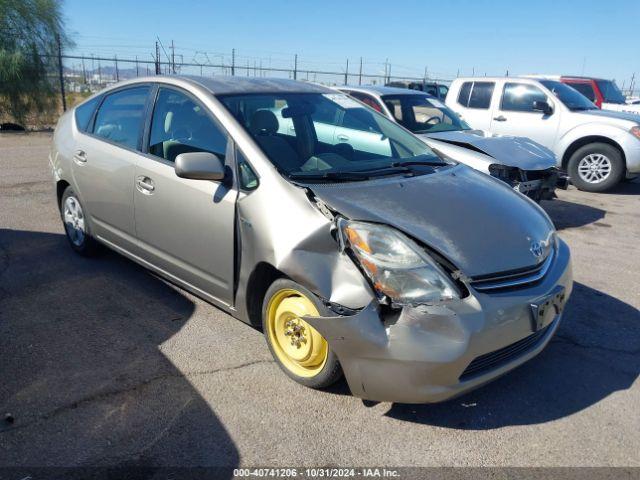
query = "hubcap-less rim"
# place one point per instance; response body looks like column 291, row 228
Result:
column 298, row 346
column 594, row 168
column 74, row 220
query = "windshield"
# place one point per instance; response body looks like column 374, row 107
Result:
column 571, row 98
column 329, row 136
column 610, row 92
column 423, row 114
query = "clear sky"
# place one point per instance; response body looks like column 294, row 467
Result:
column 591, row 37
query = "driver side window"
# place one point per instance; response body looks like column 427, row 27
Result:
column 181, row 125
column 520, row 97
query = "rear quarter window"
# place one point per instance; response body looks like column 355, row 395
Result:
column 84, row 113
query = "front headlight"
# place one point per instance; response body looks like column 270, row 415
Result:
column 396, row 266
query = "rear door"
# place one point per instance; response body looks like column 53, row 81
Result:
column 514, row 113
column 186, row 227
column 474, row 103
column 104, row 164
column 356, row 129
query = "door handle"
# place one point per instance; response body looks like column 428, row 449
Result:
column 145, row 185
column 80, row 156
column 343, row 138
column 500, row 119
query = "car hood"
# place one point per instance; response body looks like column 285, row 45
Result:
column 605, row 114
column 472, row 219
column 513, row 151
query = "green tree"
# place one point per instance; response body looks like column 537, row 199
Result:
column 29, row 30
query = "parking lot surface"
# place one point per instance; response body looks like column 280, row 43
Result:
column 104, row 364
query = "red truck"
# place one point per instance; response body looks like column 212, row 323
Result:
column 604, row 93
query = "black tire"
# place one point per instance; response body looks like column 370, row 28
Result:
column 331, row 371
column 616, row 174
column 87, row 246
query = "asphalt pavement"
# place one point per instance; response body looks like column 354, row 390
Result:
column 104, row 364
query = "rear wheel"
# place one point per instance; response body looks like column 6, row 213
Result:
column 596, row 167
column 75, row 223
column 300, row 350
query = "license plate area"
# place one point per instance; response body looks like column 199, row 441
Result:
column 525, row 187
column 546, row 309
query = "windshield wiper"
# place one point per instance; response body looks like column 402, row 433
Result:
column 331, row 176
column 429, row 163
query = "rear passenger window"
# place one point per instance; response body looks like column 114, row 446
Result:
column 181, row 125
column 465, row 91
column 476, row 94
column 120, row 117
column 367, row 100
column 481, row 94
column 84, row 113
column 520, row 97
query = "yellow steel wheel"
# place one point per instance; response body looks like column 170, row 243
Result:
column 299, row 347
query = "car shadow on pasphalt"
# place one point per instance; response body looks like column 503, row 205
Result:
column 595, row 353
column 566, row 214
column 628, row 187
column 84, row 380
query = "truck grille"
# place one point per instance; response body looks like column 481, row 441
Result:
column 491, row 361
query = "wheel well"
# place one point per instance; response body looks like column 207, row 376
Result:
column 259, row 282
column 581, row 142
column 61, row 186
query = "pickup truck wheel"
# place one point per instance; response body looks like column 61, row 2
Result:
column 76, row 226
column 596, row 167
column 298, row 348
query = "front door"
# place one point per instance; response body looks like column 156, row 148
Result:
column 185, row 227
column 514, row 114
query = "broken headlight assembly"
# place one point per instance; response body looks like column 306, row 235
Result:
column 397, row 267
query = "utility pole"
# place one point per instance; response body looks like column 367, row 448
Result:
column 157, row 58
column 60, row 72
column 360, row 74
column 173, row 58
column 233, row 61
column 115, row 61
column 389, row 74
column 346, row 74
column 137, row 71
column 84, row 71
column 295, row 67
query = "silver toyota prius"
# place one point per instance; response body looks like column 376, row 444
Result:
column 357, row 249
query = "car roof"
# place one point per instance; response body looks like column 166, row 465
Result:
column 224, row 84
column 578, row 77
column 380, row 90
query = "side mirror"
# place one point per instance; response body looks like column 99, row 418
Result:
column 544, row 107
column 200, row 166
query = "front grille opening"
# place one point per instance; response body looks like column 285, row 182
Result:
column 496, row 359
column 513, row 279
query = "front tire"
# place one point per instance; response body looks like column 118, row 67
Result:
column 298, row 348
column 76, row 226
column 596, row 167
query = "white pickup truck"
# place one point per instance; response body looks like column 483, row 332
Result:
column 598, row 148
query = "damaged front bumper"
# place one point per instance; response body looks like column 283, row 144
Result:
column 535, row 184
column 431, row 353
